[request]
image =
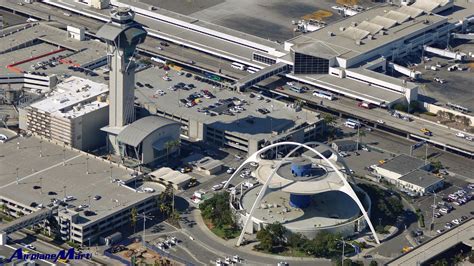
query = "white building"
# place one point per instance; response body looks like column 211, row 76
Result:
column 72, row 114
column 420, row 182
column 409, row 173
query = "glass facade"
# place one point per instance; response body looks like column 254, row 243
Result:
column 306, row 64
column 263, row 59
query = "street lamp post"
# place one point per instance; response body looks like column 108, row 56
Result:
column 145, row 217
column 342, row 255
column 17, row 179
column 64, row 157
column 41, row 148
column 87, row 165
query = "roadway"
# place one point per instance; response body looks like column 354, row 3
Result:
column 19, row 238
column 441, row 134
column 462, row 233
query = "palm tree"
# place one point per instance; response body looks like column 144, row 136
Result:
column 169, row 145
column 134, row 218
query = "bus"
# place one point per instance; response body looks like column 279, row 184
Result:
column 238, row 66
column 323, row 94
column 252, row 70
column 351, row 123
column 296, row 89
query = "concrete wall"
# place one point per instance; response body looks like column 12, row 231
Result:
column 92, row 136
column 434, row 109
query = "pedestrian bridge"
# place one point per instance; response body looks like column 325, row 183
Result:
column 22, row 222
column 263, row 74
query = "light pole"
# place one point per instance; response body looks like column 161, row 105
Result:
column 41, row 185
column 342, row 255
column 17, row 179
column 64, row 157
column 64, row 190
column 18, row 145
column 87, row 165
column 41, row 148
column 145, row 217
column 111, row 167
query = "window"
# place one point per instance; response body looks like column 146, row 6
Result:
column 306, row 64
column 263, row 59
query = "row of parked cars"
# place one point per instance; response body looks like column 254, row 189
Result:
column 228, row 260
column 169, row 242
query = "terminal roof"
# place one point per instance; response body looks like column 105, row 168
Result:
column 137, row 131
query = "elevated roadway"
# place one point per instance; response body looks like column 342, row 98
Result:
column 443, row 137
column 435, row 246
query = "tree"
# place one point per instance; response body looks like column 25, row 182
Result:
column 165, row 200
column 437, row 165
column 329, row 119
column 273, row 235
column 134, row 218
column 296, row 240
column 170, row 145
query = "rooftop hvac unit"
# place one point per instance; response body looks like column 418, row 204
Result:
column 330, row 33
column 342, row 29
column 358, row 42
column 354, row 24
column 370, row 37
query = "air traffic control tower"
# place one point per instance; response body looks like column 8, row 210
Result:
column 122, row 35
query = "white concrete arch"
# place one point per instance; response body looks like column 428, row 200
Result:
column 346, row 188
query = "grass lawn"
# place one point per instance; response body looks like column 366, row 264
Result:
column 220, row 231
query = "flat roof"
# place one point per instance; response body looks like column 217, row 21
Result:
column 71, row 92
column 345, row 42
column 351, row 88
column 421, row 178
column 403, row 164
column 280, row 118
column 48, row 172
column 275, row 207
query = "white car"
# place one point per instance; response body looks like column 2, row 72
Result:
column 289, row 83
column 253, row 164
column 230, row 170
column 365, row 148
column 29, row 246
column 460, row 135
column 159, row 48
column 443, row 210
column 217, row 187
column 440, row 231
column 469, row 138
column 160, row 92
column 166, row 78
column 380, row 121
column 456, row 221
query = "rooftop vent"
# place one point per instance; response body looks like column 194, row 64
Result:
column 342, row 29
column 358, row 42
column 370, row 37
column 330, row 33
column 354, row 24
